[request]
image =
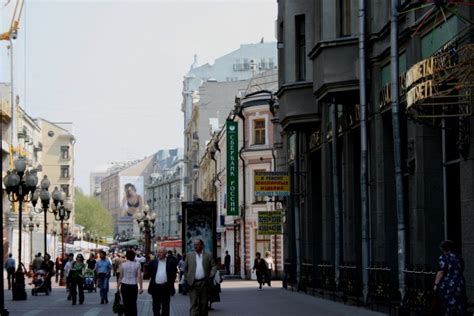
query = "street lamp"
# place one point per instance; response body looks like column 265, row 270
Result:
column 45, row 197
column 29, row 225
column 146, row 223
column 20, row 185
column 62, row 208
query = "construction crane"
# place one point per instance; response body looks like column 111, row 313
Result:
column 15, row 23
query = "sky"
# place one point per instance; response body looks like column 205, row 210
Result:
column 115, row 68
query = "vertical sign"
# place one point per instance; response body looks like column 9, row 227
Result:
column 232, row 168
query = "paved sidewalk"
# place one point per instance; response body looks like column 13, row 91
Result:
column 238, row 298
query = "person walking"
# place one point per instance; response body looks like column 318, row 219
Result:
column 260, row 268
column 67, row 269
column 162, row 277
column 116, row 265
column 269, row 267
column 182, row 267
column 48, row 266
column 37, row 261
column 57, row 266
column 90, row 264
column 10, row 265
column 77, row 279
column 227, row 262
column 102, row 269
column 450, row 285
column 130, row 283
column 199, row 272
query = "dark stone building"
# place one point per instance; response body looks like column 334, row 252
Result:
column 319, row 71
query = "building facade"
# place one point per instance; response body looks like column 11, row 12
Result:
column 239, row 235
column 208, row 96
column 319, row 118
column 165, row 193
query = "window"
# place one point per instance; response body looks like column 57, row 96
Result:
column 258, row 199
column 246, row 64
column 300, row 53
column 259, row 132
column 65, row 152
column 65, row 188
column 65, row 172
column 263, row 64
column 344, row 17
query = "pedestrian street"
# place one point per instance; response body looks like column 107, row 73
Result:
column 238, row 298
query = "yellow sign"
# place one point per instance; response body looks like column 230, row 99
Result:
column 269, row 223
column 272, row 184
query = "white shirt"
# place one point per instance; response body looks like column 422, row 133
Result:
column 199, row 268
column 161, row 277
column 129, row 272
column 67, row 267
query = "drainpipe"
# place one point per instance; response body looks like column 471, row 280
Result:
column 275, row 208
column 297, row 209
column 363, row 153
column 244, row 186
column 445, row 189
column 397, row 149
column 335, row 192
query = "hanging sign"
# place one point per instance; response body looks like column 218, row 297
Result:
column 272, row 184
column 232, row 137
column 269, row 223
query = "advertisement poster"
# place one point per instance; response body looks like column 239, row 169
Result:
column 199, row 222
column 131, row 194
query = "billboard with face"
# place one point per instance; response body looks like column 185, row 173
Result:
column 131, row 194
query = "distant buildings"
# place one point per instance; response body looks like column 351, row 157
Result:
column 127, row 186
column 165, row 194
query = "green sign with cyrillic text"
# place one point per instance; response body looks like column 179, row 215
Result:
column 232, row 134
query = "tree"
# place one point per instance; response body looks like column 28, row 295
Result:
column 92, row 215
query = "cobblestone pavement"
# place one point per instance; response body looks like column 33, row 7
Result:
column 237, row 298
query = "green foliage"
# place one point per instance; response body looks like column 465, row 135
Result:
column 92, row 215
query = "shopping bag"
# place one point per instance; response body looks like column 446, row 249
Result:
column 117, row 307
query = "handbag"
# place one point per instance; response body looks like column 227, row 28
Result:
column 117, row 307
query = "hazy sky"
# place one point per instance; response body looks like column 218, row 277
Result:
column 115, row 68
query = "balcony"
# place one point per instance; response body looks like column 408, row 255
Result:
column 5, row 110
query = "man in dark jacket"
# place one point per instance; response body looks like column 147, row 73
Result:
column 162, row 278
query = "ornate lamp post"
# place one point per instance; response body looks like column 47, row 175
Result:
column 29, row 225
column 62, row 208
column 45, row 197
column 146, row 222
column 20, row 185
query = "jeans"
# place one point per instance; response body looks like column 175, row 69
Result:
column 104, row 285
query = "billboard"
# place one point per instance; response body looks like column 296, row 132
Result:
column 199, row 222
column 272, row 184
column 131, row 194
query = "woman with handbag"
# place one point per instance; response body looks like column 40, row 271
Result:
column 130, row 283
